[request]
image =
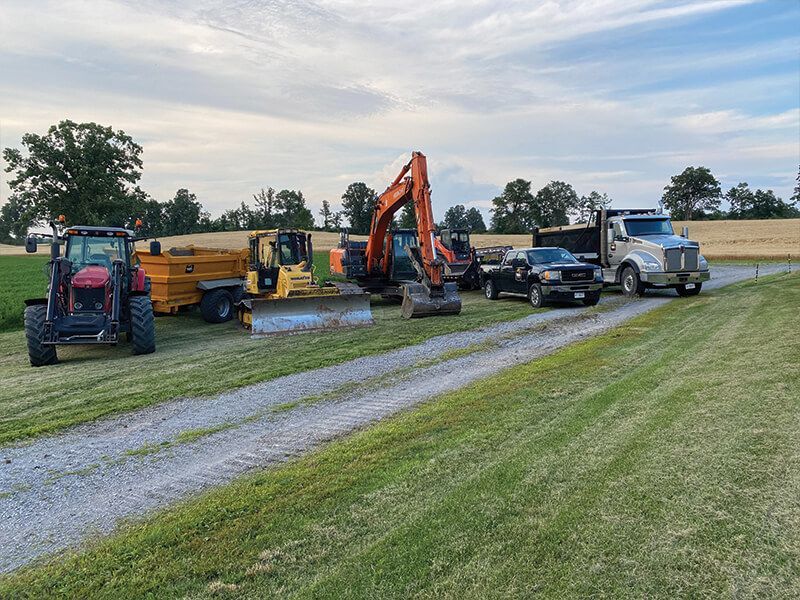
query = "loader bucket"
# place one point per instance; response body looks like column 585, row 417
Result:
column 418, row 301
column 282, row 315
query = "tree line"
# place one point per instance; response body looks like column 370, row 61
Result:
column 90, row 173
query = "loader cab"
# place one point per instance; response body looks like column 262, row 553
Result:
column 273, row 249
column 400, row 267
column 456, row 241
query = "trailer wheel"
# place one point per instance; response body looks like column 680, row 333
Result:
column 631, row 284
column 490, row 290
column 39, row 354
column 535, row 296
column 683, row 292
column 142, row 333
column 217, row 306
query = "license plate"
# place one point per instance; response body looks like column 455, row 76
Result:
column 580, row 295
column 689, row 286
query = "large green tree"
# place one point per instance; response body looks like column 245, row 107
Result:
column 15, row 219
column 265, row 207
column 292, row 210
column 553, row 204
column 85, row 171
column 511, row 209
column 590, row 203
column 741, row 200
column 455, row 217
column 475, row 221
column 181, row 215
column 692, row 193
column 408, row 219
column 358, row 202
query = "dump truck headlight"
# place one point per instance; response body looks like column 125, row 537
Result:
column 703, row 263
column 598, row 273
column 651, row 266
column 552, row 275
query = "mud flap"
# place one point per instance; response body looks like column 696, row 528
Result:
column 283, row 315
column 418, row 301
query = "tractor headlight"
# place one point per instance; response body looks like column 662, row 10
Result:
column 650, row 265
column 551, row 275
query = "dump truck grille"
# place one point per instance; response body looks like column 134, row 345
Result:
column 88, row 299
column 685, row 260
column 580, row 275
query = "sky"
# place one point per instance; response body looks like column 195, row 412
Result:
column 228, row 97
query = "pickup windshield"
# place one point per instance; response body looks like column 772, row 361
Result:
column 636, row 227
column 550, row 255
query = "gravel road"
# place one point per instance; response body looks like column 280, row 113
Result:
column 59, row 491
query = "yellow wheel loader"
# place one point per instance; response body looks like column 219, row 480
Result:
column 281, row 294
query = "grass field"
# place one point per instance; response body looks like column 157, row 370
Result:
column 659, row 460
column 193, row 358
column 21, row 277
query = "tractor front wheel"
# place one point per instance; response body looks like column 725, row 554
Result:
column 39, row 354
column 142, row 326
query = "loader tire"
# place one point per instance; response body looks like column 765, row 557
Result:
column 142, row 326
column 217, row 306
column 39, row 354
column 632, row 285
column 490, row 290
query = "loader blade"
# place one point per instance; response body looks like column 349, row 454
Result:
column 282, row 315
column 418, row 301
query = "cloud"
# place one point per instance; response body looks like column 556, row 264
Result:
column 227, row 97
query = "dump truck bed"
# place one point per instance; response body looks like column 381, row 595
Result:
column 180, row 276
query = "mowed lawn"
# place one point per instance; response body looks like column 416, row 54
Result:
column 21, row 277
column 192, row 358
column 660, row 460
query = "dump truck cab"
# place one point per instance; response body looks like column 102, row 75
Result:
column 636, row 248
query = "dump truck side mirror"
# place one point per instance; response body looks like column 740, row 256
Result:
column 31, row 245
column 155, row 248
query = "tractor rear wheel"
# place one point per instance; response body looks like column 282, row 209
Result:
column 217, row 306
column 142, row 326
column 39, row 354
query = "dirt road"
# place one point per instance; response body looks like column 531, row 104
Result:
column 58, row 491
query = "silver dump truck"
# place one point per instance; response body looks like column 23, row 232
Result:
column 636, row 248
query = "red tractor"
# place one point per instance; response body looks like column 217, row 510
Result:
column 96, row 293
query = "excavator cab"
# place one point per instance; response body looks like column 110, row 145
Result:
column 400, row 266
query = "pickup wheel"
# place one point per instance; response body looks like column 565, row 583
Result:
column 631, row 284
column 535, row 296
column 683, row 292
column 490, row 290
column 217, row 306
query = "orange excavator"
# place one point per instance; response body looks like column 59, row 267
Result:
column 402, row 263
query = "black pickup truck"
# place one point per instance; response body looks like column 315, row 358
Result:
column 544, row 274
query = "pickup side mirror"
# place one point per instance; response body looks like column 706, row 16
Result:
column 31, row 245
column 155, row 248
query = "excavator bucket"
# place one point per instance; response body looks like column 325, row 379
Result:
column 307, row 313
column 419, row 301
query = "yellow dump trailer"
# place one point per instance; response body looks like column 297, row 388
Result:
column 213, row 278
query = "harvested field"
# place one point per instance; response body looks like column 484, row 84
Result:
column 721, row 240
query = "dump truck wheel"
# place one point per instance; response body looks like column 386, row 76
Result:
column 631, row 284
column 683, row 292
column 143, row 325
column 535, row 296
column 217, row 306
column 39, row 354
column 490, row 290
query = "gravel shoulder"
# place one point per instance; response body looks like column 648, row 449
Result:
column 59, row 491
